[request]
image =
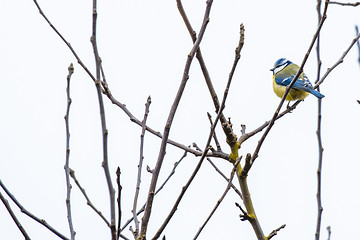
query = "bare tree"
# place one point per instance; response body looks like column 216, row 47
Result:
column 240, row 162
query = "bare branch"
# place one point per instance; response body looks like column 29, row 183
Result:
column 185, row 187
column 247, row 165
column 171, row 173
column 318, row 173
column 105, row 162
column 273, row 233
column 123, row 237
column 223, row 175
column 244, row 216
column 318, row 9
column 136, row 221
column 221, row 198
column 123, row 107
column 345, row 4
column 231, row 138
column 318, row 133
column 357, row 42
column 72, row 174
column 26, row 212
column 176, row 164
column 243, row 129
column 220, row 172
column 118, row 172
column 329, row 232
column 358, row 47
column 338, row 62
column 171, row 116
column 218, row 147
column 66, row 42
column 13, row 216
column 97, row 82
column 66, row 167
column 247, row 135
column 250, row 215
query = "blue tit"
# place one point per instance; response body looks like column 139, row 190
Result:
column 284, row 72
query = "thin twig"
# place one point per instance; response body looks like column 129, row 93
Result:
column 176, row 164
column 218, row 147
column 318, row 9
column 345, row 4
column 26, row 212
column 274, row 232
column 338, row 62
column 155, row 175
column 118, row 172
column 66, row 42
column 244, row 216
column 223, row 175
column 257, row 149
column 247, row 135
column 231, row 138
column 13, row 216
column 88, row 202
column 219, row 171
column 357, row 42
column 247, row 166
column 66, row 167
column 220, row 199
column 329, row 232
column 105, row 162
column 137, row 191
column 243, row 129
column 318, row 133
column 358, row 47
column 123, row 237
column 318, row 174
column 171, row 173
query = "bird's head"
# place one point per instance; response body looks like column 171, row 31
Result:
column 280, row 64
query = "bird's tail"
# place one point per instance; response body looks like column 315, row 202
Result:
column 316, row 93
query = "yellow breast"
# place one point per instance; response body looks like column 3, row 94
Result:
column 294, row 94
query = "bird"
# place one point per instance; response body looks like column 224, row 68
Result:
column 284, row 72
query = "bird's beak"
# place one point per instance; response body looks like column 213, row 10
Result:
column 272, row 69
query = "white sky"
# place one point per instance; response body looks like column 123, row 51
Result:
column 144, row 46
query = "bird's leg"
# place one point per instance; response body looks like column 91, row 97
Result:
column 288, row 107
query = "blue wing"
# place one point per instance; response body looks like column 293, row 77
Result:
column 304, row 85
column 299, row 84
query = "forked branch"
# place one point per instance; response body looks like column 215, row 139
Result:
column 29, row 214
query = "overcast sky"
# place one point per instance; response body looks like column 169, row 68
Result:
column 144, row 46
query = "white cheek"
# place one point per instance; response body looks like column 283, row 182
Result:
column 279, row 68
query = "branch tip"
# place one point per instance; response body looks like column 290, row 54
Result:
column 274, row 232
column 244, row 216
